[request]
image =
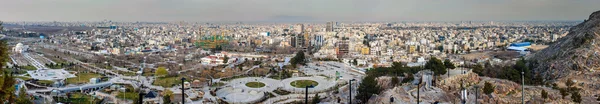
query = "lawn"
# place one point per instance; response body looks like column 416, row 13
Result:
column 23, row 77
column 128, row 95
column 218, row 84
column 255, row 84
column 303, row 83
column 125, row 73
column 28, row 67
column 82, row 78
column 79, row 98
column 167, row 81
column 281, row 92
column 45, row 82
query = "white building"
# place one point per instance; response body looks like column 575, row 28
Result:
column 20, row 48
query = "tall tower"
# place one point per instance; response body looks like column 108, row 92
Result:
column 299, row 28
column 329, row 27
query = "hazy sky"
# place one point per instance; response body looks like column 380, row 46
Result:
column 295, row 10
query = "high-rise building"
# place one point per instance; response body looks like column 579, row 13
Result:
column 329, row 26
column 302, row 41
column 299, row 28
column 293, row 41
column 342, row 48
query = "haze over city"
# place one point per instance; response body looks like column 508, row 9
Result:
column 299, row 51
column 295, row 10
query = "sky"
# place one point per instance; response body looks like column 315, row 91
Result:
column 295, row 10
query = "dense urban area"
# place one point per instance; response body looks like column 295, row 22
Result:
column 109, row 62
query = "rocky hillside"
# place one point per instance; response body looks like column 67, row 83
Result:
column 579, row 50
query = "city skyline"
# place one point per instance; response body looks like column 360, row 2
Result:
column 296, row 10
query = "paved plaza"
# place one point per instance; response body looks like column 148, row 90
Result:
column 324, row 73
column 270, row 84
column 240, row 95
column 50, row 74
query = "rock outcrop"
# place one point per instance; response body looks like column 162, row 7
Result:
column 579, row 50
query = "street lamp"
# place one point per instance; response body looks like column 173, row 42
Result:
column 306, row 96
column 182, row 90
column 522, row 87
column 350, row 90
column 141, row 91
column 476, row 93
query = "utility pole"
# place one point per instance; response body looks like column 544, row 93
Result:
column 476, row 93
column 141, row 92
column 522, row 87
column 182, row 90
column 463, row 92
column 350, row 90
column 306, row 94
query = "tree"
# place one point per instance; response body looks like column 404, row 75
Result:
column 563, row 92
column 449, row 64
column 409, row 77
column 167, row 96
column 298, row 59
column 576, row 97
column 522, row 67
column 23, row 98
column 367, row 88
column 436, row 66
column 395, row 81
column 544, row 94
column 478, row 69
column 161, row 72
column 7, row 82
column 316, row 99
column 4, row 52
column 569, row 83
column 225, row 58
column 488, row 88
column 167, row 99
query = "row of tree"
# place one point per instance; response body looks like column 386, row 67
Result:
column 510, row 72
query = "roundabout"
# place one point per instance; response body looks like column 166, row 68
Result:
column 298, row 84
column 255, row 83
column 252, row 89
column 303, row 83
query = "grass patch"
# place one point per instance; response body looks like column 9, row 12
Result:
column 148, row 74
column 45, row 82
column 82, row 78
column 167, row 81
column 255, row 84
column 218, row 84
column 23, row 77
column 128, row 95
column 303, row 83
column 79, row 98
column 28, row 67
column 281, row 92
column 125, row 73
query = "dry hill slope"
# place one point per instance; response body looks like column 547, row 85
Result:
column 579, row 50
